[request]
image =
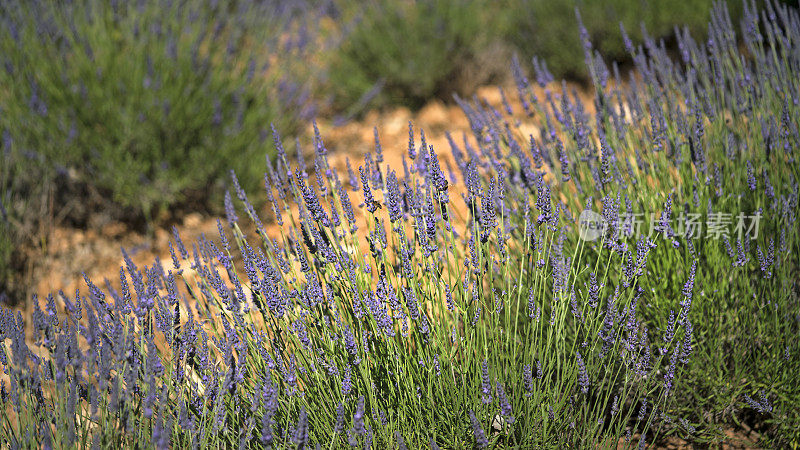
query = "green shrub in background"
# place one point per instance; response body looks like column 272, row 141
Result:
column 548, row 30
column 408, row 52
column 139, row 106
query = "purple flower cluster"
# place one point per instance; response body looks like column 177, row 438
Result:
column 480, row 436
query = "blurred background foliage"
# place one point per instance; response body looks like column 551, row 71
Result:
column 409, row 52
column 537, row 28
column 125, row 110
column 135, row 111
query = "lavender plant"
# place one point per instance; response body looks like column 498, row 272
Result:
column 130, row 98
column 457, row 301
column 411, row 51
column 548, row 31
column 135, row 107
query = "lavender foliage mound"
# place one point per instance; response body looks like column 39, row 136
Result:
column 621, row 272
column 148, row 102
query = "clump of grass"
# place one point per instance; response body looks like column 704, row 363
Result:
column 425, row 306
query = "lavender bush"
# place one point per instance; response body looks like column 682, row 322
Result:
column 135, row 107
column 421, row 306
column 408, row 52
column 547, row 29
column 134, row 96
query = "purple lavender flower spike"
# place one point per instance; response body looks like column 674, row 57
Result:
column 369, row 200
column 486, row 385
column 412, row 153
column 393, row 200
column 480, row 436
column 505, row 404
column 583, row 377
